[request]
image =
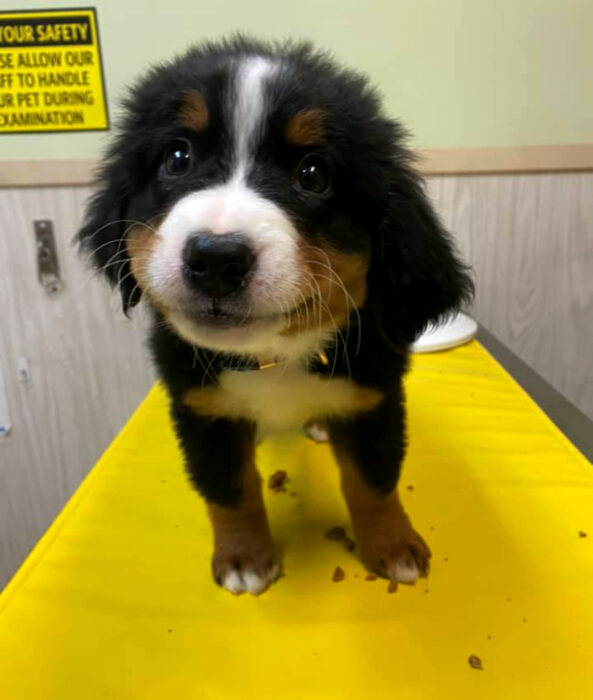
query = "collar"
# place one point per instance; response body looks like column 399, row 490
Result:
column 319, row 363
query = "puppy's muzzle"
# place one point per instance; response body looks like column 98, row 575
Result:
column 217, row 264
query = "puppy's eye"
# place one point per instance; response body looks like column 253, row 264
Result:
column 313, row 174
column 177, row 159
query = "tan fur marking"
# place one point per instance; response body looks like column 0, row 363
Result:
column 194, row 112
column 140, row 244
column 389, row 544
column 334, row 284
column 306, row 128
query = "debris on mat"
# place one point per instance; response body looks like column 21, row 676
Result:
column 335, row 533
column 392, row 588
column 277, row 481
column 476, row 662
column 339, row 575
column 371, row 577
column 349, row 545
column 582, row 534
column 338, row 534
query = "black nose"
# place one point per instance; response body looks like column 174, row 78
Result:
column 217, row 264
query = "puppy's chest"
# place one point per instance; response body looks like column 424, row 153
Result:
column 281, row 397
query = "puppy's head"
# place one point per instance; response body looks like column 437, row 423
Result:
column 256, row 197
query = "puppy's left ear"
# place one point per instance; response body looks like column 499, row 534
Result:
column 416, row 276
column 103, row 232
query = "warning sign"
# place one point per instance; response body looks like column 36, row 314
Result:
column 51, row 77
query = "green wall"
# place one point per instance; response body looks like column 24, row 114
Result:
column 458, row 72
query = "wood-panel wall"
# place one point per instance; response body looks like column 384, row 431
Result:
column 528, row 237
column 85, row 362
column 530, row 241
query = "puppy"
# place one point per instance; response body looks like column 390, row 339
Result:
column 268, row 213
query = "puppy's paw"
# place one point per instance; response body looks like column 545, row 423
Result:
column 245, row 570
column 400, row 555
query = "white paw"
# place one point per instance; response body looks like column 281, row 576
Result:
column 239, row 581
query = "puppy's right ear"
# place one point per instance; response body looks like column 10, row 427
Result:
column 103, row 234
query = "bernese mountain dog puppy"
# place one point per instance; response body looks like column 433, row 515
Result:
column 267, row 211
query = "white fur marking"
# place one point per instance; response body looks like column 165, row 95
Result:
column 233, row 583
column 249, row 109
column 247, row 581
column 254, row 583
column 222, row 209
column 274, row 573
column 317, row 432
column 404, row 573
column 284, row 397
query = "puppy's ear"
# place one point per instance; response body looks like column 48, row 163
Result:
column 415, row 275
column 102, row 235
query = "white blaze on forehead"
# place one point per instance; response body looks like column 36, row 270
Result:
column 249, row 108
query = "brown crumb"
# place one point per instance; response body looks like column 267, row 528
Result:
column 524, row 619
column 410, row 487
column 336, row 533
column 277, row 481
column 488, row 637
column 431, row 528
column 370, row 577
column 426, row 590
column 508, row 600
column 582, row 534
column 339, row 575
column 392, row 588
column 446, row 558
column 349, row 544
column 292, row 493
column 169, row 631
column 476, row 662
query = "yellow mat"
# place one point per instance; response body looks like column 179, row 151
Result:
column 116, row 601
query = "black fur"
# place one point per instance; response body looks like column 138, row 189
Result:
column 377, row 205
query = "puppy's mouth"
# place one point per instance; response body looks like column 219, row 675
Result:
column 217, row 317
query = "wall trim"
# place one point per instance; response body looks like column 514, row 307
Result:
column 431, row 161
column 507, row 159
column 46, row 173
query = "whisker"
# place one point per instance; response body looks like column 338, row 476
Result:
column 210, row 366
column 335, row 278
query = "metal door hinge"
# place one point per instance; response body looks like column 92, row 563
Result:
column 47, row 257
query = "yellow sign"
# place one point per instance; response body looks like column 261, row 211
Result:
column 51, row 77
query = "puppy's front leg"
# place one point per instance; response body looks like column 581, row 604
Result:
column 220, row 457
column 369, row 449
